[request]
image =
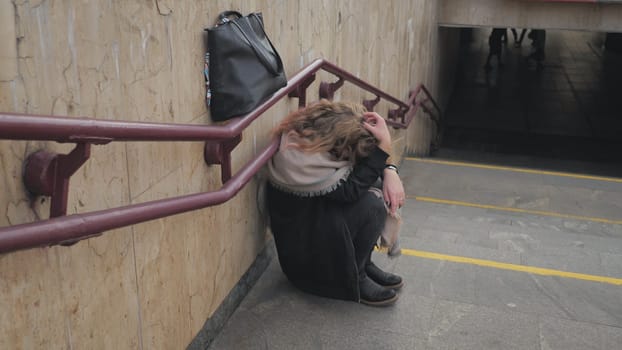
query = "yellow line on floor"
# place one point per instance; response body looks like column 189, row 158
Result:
column 512, row 267
column 515, row 210
column 519, row 170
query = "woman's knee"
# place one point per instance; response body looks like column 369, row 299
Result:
column 374, row 206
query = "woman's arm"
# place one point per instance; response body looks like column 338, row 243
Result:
column 367, row 171
column 377, row 126
column 392, row 189
column 364, row 174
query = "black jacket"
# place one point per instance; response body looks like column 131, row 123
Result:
column 312, row 238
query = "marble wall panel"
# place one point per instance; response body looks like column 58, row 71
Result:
column 8, row 56
column 31, row 301
column 162, row 287
column 98, row 289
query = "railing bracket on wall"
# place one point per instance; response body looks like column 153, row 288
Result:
column 219, row 152
column 327, row 90
column 301, row 91
column 370, row 104
column 397, row 113
column 47, row 174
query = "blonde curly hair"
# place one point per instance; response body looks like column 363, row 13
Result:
column 334, row 127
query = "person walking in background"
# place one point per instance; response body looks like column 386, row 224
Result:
column 495, row 45
column 518, row 40
column 538, row 37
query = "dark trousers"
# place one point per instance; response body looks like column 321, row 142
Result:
column 365, row 219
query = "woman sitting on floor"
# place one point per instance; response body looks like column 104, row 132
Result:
column 324, row 218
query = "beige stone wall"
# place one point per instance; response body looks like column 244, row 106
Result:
column 153, row 285
column 435, row 58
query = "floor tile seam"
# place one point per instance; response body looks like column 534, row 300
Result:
column 496, row 214
column 532, row 270
column 392, row 331
column 514, row 230
column 464, row 228
column 542, row 247
column 497, row 232
column 583, row 322
column 530, row 254
column 504, row 310
column 428, row 207
column 541, row 213
column 512, row 169
column 501, row 310
column 509, row 228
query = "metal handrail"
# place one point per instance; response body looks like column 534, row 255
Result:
column 101, row 131
column 71, row 228
column 220, row 141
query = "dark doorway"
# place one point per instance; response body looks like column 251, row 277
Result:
column 570, row 107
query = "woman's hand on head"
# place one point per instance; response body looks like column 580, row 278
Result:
column 393, row 190
column 377, row 126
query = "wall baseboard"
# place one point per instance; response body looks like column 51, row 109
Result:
column 214, row 324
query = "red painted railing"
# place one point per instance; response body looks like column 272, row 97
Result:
column 48, row 174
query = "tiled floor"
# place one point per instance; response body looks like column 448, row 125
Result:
column 571, row 108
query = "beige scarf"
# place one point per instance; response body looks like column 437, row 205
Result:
column 308, row 174
column 303, row 173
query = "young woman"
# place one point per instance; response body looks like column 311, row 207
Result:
column 324, row 219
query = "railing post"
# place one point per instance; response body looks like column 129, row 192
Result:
column 370, row 104
column 219, row 152
column 396, row 113
column 327, row 90
column 301, row 91
column 48, row 174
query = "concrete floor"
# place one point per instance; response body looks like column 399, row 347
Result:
column 494, row 257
